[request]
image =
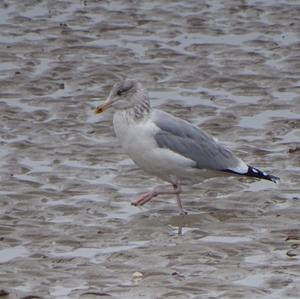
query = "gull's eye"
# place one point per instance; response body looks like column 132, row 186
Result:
column 120, row 91
column 124, row 88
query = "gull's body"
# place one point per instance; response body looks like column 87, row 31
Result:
column 166, row 146
column 137, row 139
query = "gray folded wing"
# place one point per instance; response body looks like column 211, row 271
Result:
column 191, row 142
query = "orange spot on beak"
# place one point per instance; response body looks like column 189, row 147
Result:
column 99, row 109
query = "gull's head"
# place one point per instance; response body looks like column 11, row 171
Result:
column 123, row 95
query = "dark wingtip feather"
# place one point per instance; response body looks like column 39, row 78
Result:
column 256, row 173
column 274, row 179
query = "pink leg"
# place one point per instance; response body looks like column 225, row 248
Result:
column 160, row 191
column 179, row 204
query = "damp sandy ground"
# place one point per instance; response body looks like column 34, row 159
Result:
column 67, row 229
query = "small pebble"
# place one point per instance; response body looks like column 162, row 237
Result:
column 291, row 253
column 137, row 275
column 293, row 239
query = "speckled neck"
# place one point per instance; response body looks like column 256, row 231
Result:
column 141, row 108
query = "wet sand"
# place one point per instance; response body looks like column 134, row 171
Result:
column 67, row 229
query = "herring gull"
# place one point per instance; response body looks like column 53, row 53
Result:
column 168, row 147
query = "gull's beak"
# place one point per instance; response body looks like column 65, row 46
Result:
column 107, row 103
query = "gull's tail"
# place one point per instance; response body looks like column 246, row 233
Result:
column 256, row 173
